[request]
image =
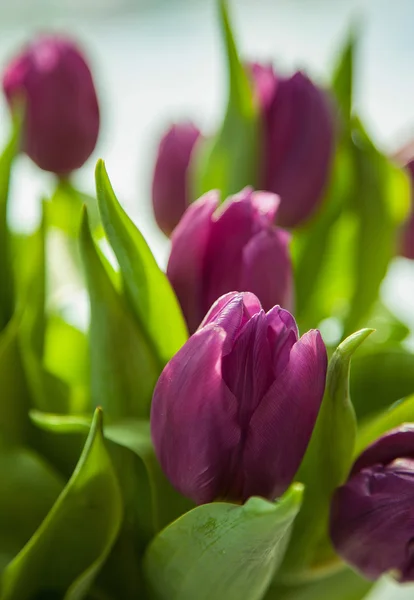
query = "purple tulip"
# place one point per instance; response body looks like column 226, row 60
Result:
column 407, row 237
column 298, row 143
column 234, row 409
column 170, row 182
column 232, row 247
column 61, row 107
column 372, row 515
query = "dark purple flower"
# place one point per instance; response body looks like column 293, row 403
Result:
column 232, row 247
column 234, row 409
column 407, row 236
column 170, row 181
column 53, row 80
column 372, row 515
column 298, row 142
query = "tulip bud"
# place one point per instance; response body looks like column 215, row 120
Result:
column 234, row 409
column 372, row 515
column 407, row 236
column 298, row 142
column 61, row 107
column 234, row 247
column 170, row 181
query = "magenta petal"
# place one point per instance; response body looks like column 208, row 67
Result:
column 372, row 521
column 394, row 444
column 193, row 418
column 267, row 269
column 189, row 242
column 282, row 425
column 282, row 334
column 247, row 369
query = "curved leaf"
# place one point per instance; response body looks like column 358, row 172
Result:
column 68, row 549
column 326, row 464
column 221, row 550
column 123, row 367
column 147, row 288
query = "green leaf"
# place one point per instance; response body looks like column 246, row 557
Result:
column 382, row 190
column 380, row 378
column 6, row 271
column 230, row 160
column 344, row 585
column 70, row 546
column 28, row 489
column 221, row 550
column 326, row 463
column 15, row 394
column 123, row 367
column 372, row 428
column 146, row 287
column 343, row 77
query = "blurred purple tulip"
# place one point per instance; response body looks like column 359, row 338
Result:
column 372, row 515
column 232, row 247
column 298, row 144
column 407, row 235
column 53, row 80
column 234, row 409
column 169, row 184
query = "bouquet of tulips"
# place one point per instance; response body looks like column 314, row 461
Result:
column 190, row 443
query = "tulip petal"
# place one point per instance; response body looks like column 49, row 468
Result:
column 267, row 270
column 247, row 369
column 189, row 242
column 372, row 522
column 282, row 334
column 394, row 444
column 282, row 424
column 193, row 418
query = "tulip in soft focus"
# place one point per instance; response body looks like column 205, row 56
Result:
column 234, row 409
column 170, row 180
column 55, row 84
column 372, row 515
column 298, row 142
column 407, row 236
column 232, row 247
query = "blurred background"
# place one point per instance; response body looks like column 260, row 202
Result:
column 157, row 61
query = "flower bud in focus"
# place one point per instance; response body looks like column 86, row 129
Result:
column 233, row 411
column 55, row 84
column 298, row 142
column 170, row 181
column 372, row 515
column 232, row 247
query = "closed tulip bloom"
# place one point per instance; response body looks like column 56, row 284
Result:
column 298, row 142
column 407, row 237
column 232, row 247
column 372, row 515
column 53, row 80
column 234, row 409
column 170, row 181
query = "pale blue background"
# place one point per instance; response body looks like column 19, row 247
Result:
column 160, row 61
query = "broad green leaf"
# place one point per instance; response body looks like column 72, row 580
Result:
column 372, row 428
column 6, row 271
column 124, row 369
column 381, row 203
column 344, row 585
column 28, row 489
column 326, row 463
column 14, row 392
column 146, row 287
column 381, row 377
column 221, row 550
column 343, row 77
column 230, row 160
column 70, row 546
